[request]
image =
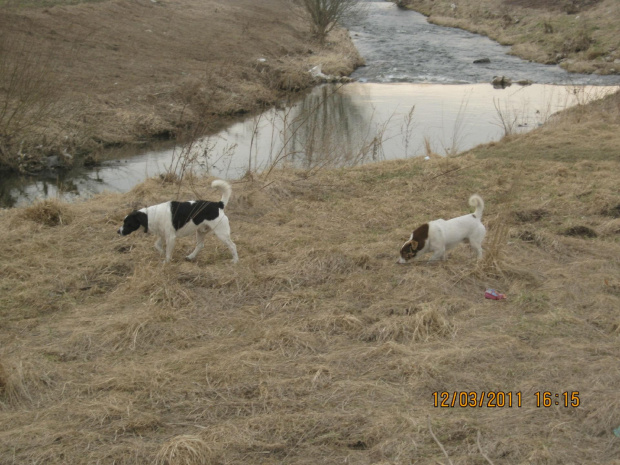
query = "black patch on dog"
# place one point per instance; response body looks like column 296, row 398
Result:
column 133, row 221
column 198, row 211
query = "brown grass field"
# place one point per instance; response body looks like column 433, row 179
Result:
column 128, row 71
column 582, row 36
column 317, row 348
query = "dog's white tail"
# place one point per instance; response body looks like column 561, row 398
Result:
column 224, row 187
column 476, row 201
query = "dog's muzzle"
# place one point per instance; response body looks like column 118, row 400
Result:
column 120, row 230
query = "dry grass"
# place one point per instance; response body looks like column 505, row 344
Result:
column 186, row 65
column 48, row 212
column 317, row 347
column 580, row 36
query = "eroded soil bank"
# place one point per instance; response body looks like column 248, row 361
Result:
column 79, row 78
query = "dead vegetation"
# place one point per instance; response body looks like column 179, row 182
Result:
column 76, row 77
column 317, row 347
column 579, row 35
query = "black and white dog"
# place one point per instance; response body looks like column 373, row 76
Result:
column 170, row 220
column 438, row 236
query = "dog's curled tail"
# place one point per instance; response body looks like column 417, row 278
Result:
column 476, row 201
column 225, row 188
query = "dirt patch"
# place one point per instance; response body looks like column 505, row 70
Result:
column 129, row 71
column 614, row 211
column 580, row 231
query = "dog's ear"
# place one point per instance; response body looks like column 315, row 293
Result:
column 414, row 244
column 143, row 219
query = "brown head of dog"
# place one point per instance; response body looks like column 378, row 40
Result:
column 416, row 243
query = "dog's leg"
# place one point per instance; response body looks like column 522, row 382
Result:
column 222, row 231
column 476, row 241
column 170, row 240
column 158, row 245
column 438, row 254
column 200, row 243
column 477, row 247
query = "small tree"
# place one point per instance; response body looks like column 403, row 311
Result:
column 326, row 14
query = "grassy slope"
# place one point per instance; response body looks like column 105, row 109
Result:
column 317, row 347
column 587, row 40
column 124, row 71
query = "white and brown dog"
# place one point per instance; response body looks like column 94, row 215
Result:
column 438, row 236
column 170, row 220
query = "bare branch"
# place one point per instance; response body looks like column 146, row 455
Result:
column 326, row 14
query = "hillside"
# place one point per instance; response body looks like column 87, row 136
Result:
column 77, row 77
column 582, row 36
column 317, row 347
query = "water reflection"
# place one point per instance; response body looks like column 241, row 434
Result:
column 332, row 126
column 328, row 127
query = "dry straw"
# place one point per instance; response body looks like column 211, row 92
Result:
column 317, row 347
column 185, row 450
column 48, row 212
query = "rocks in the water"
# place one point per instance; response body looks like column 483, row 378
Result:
column 500, row 82
column 482, row 61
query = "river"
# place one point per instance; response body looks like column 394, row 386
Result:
column 419, row 92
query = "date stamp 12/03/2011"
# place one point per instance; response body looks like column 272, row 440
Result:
column 503, row 399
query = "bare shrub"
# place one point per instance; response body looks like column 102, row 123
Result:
column 506, row 117
column 327, row 14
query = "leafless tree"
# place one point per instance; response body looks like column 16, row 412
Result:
column 326, row 14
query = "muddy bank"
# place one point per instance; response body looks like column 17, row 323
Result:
column 118, row 72
column 579, row 35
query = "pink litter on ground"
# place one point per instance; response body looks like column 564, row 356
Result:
column 493, row 294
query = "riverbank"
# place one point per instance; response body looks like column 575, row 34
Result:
column 581, row 36
column 317, row 347
column 82, row 77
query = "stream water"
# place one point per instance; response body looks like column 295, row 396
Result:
column 420, row 91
